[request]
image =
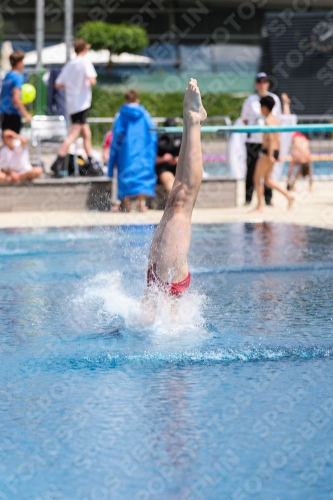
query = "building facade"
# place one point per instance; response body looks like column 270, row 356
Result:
column 191, row 21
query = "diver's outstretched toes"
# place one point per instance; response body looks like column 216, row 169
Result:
column 193, row 108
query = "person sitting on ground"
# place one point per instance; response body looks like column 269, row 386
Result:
column 15, row 163
column 168, row 147
column 300, row 153
column 133, row 150
column 167, row 262
column 269, row 155
column 76, row 78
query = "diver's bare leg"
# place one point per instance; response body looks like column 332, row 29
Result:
column 178, row 177
column 177, row 181
column 275, row 185
column 172, row 238
column 262, row 166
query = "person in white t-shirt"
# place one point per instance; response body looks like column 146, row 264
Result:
column 15, row 163
column 76, row 78
column 251, row 115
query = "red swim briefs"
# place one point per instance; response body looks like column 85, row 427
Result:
column 175, row 289
column 299, row 134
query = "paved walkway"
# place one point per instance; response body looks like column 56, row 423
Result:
column 313, row 209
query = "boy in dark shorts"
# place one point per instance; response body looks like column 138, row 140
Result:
column 269, row 155
column 76, row 78
column 11, row 106
column 168, row 148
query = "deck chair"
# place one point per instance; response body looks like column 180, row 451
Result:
column 47, row 132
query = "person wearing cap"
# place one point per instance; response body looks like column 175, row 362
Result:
column 168, row 148
column 76, row 78
column 251, row 115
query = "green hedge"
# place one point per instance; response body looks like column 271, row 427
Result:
column 106, row 103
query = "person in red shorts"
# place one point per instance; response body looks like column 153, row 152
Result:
column 301, row 164
column 167, row 263
column 106, row 147
column 115, row 203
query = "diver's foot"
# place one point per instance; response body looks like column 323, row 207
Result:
column 257, row 210
column 194, row 112
column 291, row 201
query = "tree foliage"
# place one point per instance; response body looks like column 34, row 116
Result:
column 1, row 28
column 106, row 103
column 117, row 38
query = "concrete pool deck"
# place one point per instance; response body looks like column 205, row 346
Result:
column 311, row 209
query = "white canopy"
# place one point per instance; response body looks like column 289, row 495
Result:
column 6, row 50
column 56, row 54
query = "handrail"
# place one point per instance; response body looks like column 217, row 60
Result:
column 221, row 129
column 97, row 119
column 319, row 118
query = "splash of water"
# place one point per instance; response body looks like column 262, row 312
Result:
column 103, row 298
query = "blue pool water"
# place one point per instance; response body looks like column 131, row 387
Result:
column 321, row 168
column 232, row 401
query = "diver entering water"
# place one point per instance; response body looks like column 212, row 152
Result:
column 167, row 263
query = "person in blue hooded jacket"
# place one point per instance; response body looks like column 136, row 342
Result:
column 133, row 150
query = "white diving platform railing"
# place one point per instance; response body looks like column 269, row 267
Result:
column 225, row 146
column 247, row 129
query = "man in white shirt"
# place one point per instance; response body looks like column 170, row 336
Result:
column 251, row 115
column 76, row 78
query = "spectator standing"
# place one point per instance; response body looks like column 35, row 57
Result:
column 76, row 78
column 168, row 148
column 251, row 115
column 11, row 106
column 269, row 155
column 133, row 150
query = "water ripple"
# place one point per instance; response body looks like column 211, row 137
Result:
column 249, row 354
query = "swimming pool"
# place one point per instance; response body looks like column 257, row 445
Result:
column 234, row 401
column 217, row 166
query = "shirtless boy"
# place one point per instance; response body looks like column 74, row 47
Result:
column 270, row 154
column 300, row 153
column 167, row 263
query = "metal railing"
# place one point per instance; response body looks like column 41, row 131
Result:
column 217, row 161
column 216, row 139
column 100, row 126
